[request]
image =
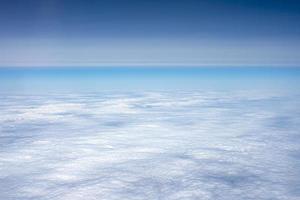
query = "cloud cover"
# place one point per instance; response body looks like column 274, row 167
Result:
column 150, row 145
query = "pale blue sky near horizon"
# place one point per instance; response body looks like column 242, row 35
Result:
column 84, row 80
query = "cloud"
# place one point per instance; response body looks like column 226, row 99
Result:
column 150, row 145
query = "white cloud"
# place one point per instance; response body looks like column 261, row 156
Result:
column 171, row 145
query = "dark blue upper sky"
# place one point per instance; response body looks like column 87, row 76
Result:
column 35, row 32
column 144, row 18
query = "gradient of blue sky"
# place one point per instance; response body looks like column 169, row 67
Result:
column 88, row 79
column 132, row 32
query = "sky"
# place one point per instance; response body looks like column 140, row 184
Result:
column 58, row 80
column 149, row 33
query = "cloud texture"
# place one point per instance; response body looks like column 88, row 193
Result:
column 150, row 145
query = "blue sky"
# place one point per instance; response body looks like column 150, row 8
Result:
column 140, row 39
column 152, row 33
column 82, row 79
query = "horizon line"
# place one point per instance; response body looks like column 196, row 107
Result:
column 153, row 65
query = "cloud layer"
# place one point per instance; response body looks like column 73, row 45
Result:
column 150, row 145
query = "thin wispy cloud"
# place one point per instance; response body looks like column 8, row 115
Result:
column 148, row 52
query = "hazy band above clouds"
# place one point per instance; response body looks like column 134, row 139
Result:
column 152, row 52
